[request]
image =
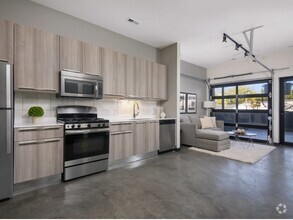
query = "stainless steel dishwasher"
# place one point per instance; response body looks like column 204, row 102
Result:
column 167, row 135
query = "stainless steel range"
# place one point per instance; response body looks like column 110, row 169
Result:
column 86, row 141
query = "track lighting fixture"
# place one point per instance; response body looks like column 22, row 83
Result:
column 237, row 46
column 245, row 54
column 224, row 38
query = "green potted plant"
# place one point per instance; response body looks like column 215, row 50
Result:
column 36, row 112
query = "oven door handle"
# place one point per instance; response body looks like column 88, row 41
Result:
column 88, row 131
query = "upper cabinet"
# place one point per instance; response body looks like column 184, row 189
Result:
column 92, row 59
column 71, row 54
column 114, row 73
column 159, row 82
column 38, row 57
column 36, row 60
column 6, row 41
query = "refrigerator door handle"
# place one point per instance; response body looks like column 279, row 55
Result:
column 8, row 86
column 9, row 132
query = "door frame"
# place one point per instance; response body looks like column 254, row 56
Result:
column 282, row 106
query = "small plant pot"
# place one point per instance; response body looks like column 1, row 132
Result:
column 36, row 120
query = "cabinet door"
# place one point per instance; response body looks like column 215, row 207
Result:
column 149, row 76
column 140, row 138
column 24, row 58
column 116, row 151
column 36, row 60
column 92, row 59
column 152, row 136
column 46, row 49
column 143, row 79
column 109, row 69
column 163, row 82
column 35, row 159
column 128, row 144
column 6, row 41
column 130, row 77
column 71, row 54
column 121, row 75
column 155, row 81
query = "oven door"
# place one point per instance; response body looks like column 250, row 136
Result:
column 82, row 146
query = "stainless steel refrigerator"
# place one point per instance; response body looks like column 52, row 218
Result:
column 6, row 130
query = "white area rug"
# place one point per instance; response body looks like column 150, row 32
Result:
column 240, row 152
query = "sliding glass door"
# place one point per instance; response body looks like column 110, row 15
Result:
column 245, row 105
column 286, row 110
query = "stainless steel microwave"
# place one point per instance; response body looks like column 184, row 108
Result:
column 81, row 85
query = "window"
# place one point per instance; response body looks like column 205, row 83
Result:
column 244, row 105
column 230, row 90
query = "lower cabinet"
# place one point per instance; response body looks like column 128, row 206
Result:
column 37, row 155
column 129, row 139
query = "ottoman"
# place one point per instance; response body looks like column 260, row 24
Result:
column 212, row 140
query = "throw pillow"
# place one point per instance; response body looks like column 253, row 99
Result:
column 213, row 120
column 206, row 123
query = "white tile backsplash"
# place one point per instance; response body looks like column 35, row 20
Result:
column 105, row 107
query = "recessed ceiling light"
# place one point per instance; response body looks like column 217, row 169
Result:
column 131, row 20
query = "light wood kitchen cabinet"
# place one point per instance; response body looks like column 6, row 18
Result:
column 36, row 60
column 132, row 89
column 140, row 138
column 159, row 81
column 121, row 141
column 116, row 151
column 109, row 71
column 143, row 78
column 92, row 59
column 38, row 152
column 71, row 54
column 152, row 136
column 6, row 41
column 121, row 75
column 163, row 95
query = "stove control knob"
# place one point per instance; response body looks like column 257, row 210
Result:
column 88, row 125
column 78, row 126
column 72, row 126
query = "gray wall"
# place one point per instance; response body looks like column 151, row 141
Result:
column 170, row 56
column 34, row 15
column 189, row 84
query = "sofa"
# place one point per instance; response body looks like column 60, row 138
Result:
column 192, row 134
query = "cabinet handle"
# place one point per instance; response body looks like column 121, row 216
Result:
column 27, row 88
column 115, row 123
column 141, row 122
column 27, row 142
column 69, row 70
column 3, row 60
column 49, row 141
column 127, row 132
column 50, row 90
column 118, row 132
column 111, row 95
column 50, row 128
column 126, row 123
column 27, row 129
column 92, row 74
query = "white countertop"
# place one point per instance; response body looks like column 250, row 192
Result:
column 43, row 122
column 53, row 121
column 127, row 119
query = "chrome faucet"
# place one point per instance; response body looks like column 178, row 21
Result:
column 135, row 114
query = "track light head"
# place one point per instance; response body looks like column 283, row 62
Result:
column 224, row 38
column 237, row 46
column 245, row 54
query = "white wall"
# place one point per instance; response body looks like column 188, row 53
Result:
column 275, row 60
column 191, row 85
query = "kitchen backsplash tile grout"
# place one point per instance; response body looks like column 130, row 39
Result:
column 105, row 107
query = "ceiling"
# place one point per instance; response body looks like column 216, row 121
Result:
column 197, row 25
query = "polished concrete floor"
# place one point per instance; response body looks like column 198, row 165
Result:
column 185, row 184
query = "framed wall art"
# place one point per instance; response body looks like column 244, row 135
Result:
column 182, row 102
column 191, row 103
